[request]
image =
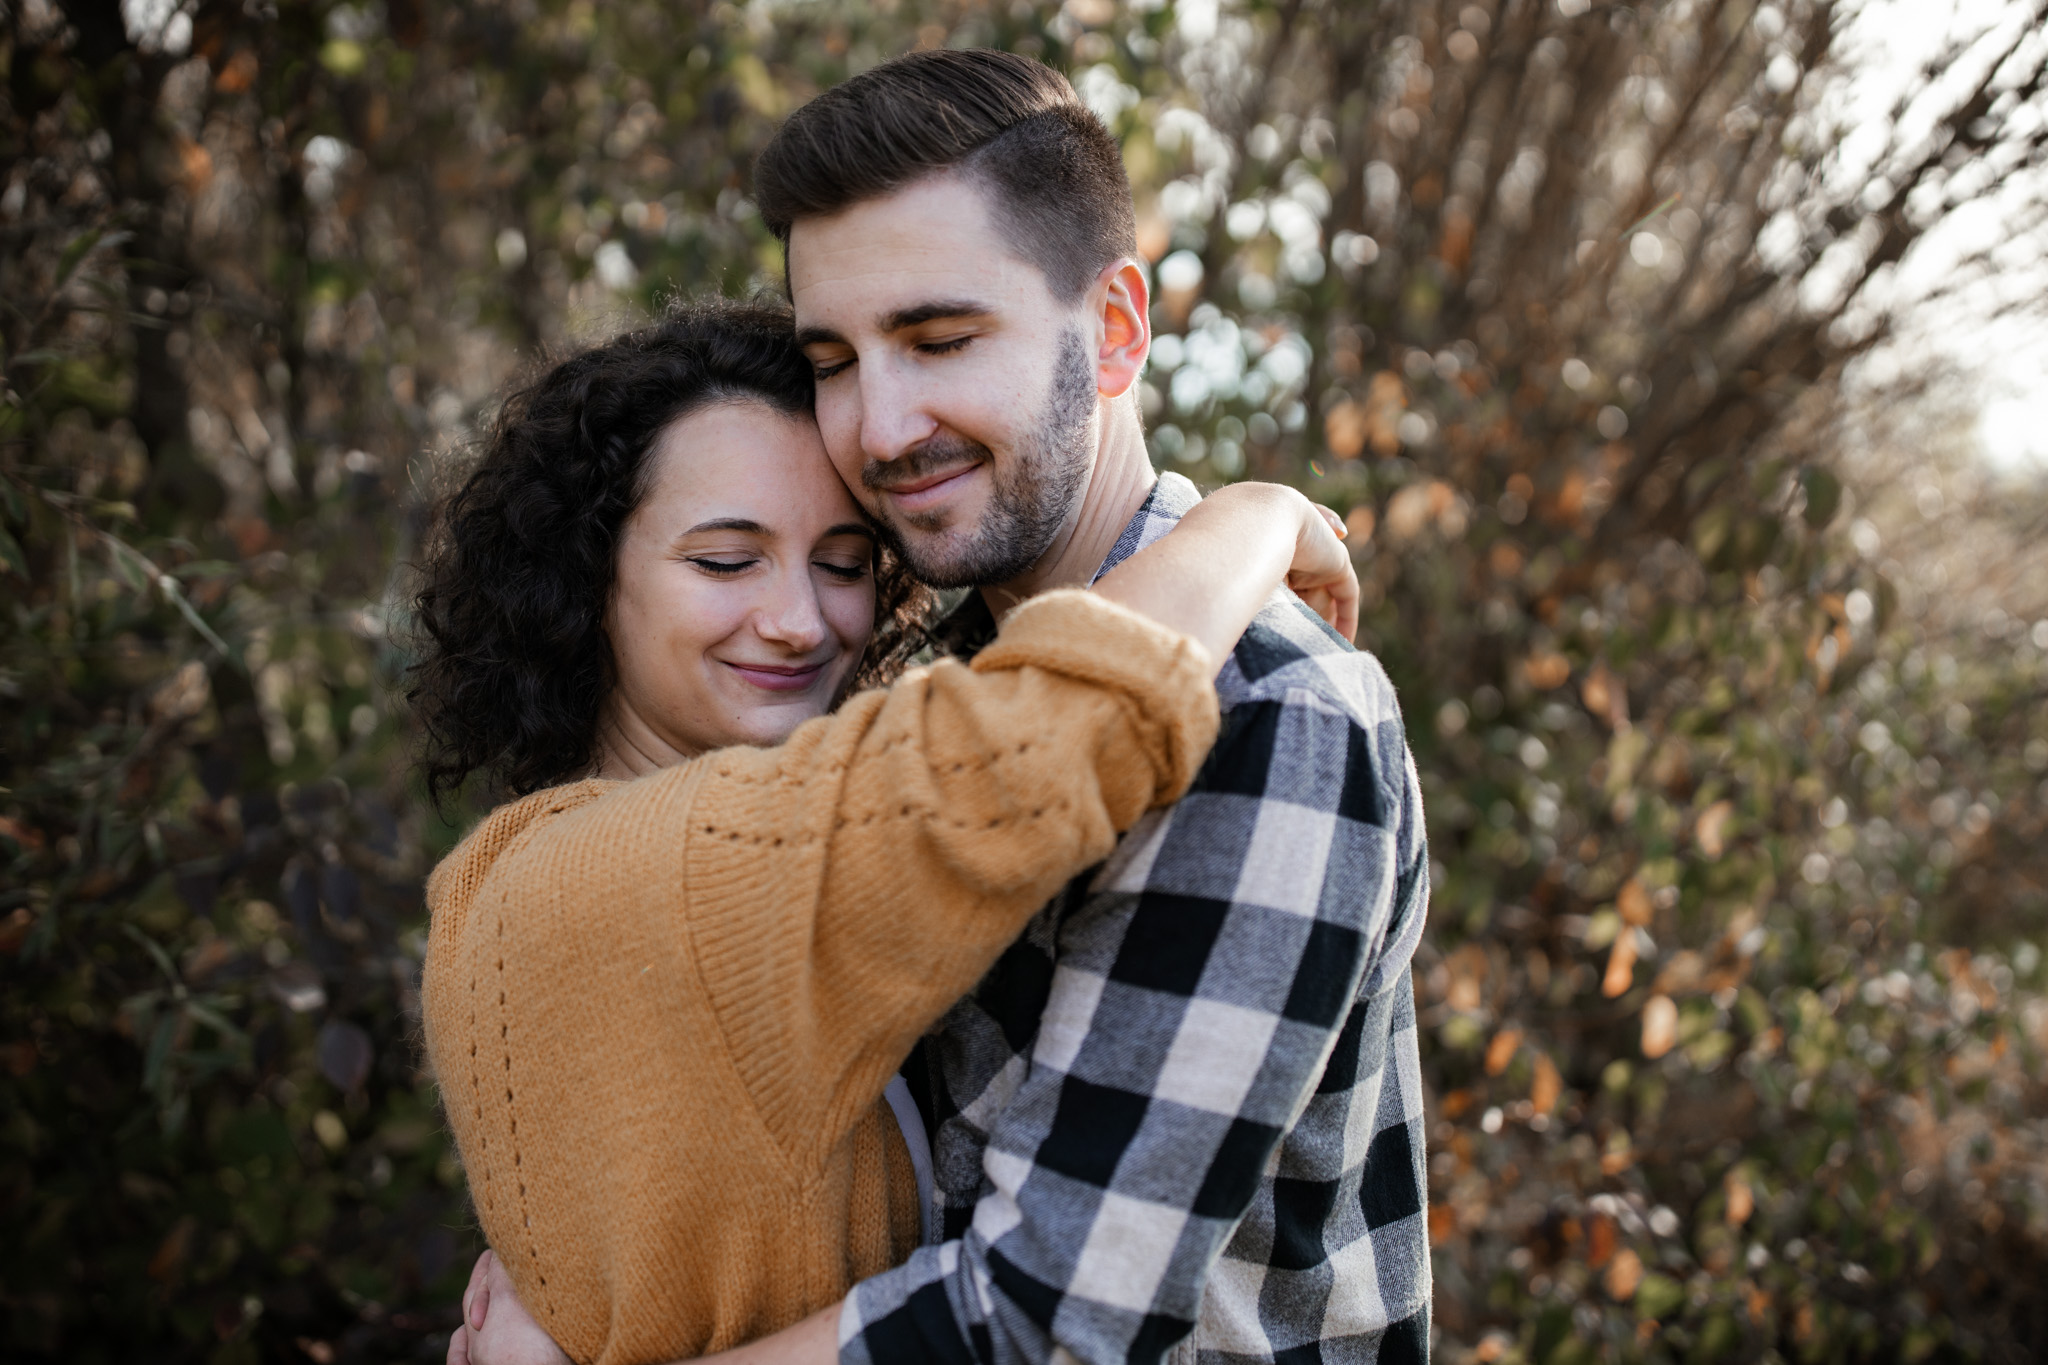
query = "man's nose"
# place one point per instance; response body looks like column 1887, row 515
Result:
column 893, row 418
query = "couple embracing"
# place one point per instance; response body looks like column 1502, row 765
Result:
column 1049, row 1000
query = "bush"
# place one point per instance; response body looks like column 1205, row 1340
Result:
column 1733, row 1015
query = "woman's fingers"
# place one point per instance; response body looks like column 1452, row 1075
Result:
column 476, row 1303
column 1322, row 574
column 1347, row 611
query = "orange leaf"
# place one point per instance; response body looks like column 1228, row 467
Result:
column 1660, row 1026
column 1712, row 829
column 14, row 929
column 1344, row 430
column 1633, row 902
column 195, row 165
column 238, row 73
column 1501, row 1050
column 1741, row 1200
column 1621, row 966
column 1547, row 1086
column 1546, row 670
column 1443, row 1222
column 1601, row 1239
column 170, row 1254
column 1624, row 1275
column 1386, row 399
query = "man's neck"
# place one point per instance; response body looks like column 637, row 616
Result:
column 1117, row 487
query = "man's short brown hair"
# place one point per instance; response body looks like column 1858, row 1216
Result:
column 1012, row 124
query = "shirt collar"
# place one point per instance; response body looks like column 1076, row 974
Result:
column 1171, row 497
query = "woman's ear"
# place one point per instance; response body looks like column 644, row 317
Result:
column 1125, row 310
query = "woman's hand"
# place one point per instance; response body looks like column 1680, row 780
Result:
column 496, row 1328
column 1322, row 574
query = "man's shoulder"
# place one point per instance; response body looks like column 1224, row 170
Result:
column 1289, row 654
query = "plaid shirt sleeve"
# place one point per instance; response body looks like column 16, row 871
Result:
column 1201, row 985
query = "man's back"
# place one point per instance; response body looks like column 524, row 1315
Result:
column 1190, row 1093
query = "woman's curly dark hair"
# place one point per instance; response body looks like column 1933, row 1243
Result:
column 514, row 665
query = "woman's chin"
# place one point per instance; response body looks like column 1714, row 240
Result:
column 773, row 719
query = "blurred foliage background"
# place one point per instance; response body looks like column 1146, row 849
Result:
column 1723, row 654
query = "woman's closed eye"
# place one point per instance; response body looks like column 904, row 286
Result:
column 722, row 567
column 845, row 573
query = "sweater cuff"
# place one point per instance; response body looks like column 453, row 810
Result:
column 1167, row 676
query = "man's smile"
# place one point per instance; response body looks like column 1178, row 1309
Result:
column 928, row 490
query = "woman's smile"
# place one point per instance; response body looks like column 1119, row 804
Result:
column 779, row 677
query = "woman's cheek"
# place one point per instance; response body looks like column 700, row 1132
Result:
column 852, row 615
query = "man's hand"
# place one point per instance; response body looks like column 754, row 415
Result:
column 496, row 1328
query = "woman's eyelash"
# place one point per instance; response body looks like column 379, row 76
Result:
column 723, row 565
column 846, row 573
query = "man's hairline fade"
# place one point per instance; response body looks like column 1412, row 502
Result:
column 1046, row 243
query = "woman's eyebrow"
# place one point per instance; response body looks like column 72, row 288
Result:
column 755, row 528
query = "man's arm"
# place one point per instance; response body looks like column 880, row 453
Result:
column 1199, row 990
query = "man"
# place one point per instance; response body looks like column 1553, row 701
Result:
column 1183, row 1112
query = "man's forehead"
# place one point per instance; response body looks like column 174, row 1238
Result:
column 930, row 240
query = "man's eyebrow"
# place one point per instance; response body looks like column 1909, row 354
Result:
column 902, row 319
column 936, row 310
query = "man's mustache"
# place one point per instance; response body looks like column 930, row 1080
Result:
column 937, row 455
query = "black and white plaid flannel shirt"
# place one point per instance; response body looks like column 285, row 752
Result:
column 1188, row 1097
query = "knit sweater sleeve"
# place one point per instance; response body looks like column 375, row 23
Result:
column 847, row 886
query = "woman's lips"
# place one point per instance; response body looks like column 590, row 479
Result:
column 778, row 677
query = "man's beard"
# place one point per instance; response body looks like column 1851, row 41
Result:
column 1030, row 494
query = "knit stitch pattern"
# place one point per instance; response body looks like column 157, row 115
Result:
column 663, row 1012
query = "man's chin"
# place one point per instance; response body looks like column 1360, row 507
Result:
column 955, row 559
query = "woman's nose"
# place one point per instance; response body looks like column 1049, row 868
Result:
column 792, row 616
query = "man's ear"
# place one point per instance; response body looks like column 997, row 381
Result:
column 1126, row 313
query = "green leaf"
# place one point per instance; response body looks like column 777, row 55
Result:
column 159, row 1049
column 11, row 555
column 75, row 251
column 203, row 568
column 11, row 503
column 156, row 953
column 1659, row 1296
column 124, row 564
column 193, row 618
column 1823, row 495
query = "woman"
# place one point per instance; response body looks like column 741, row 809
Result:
column 667, row 986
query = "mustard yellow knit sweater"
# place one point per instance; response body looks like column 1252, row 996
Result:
column 662, row 1013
